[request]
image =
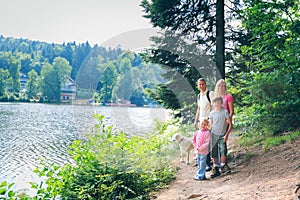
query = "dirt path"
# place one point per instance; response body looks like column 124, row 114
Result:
column 262, row 175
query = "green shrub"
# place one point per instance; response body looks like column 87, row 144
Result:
column 110, row 165
column 275, row 103
column 107, row 165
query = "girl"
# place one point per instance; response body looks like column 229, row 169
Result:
column 200, row 141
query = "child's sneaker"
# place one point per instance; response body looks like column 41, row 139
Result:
column 207, row 168
column 225, row 169
column 215, row 172
column 199, row 178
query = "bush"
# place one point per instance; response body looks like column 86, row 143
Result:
column 275, row 104
column 110, row 165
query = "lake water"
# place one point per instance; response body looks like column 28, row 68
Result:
column 29, row 132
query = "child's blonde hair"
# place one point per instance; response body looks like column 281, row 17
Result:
column 204, row 120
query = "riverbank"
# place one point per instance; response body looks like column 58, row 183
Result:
column 31, row 131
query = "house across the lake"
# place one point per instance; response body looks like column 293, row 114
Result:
column 68, row 91
column 23, row 81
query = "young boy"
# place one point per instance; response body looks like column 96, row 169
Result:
column 201, row 141
column 221, row 126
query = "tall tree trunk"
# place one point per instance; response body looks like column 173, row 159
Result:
column 220, row 39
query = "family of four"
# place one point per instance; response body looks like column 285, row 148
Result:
column 214, row 123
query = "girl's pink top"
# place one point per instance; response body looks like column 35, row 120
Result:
column 201, row 140
column 226, row 99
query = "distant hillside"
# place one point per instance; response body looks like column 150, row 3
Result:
column 106, row 75
column 33, row 54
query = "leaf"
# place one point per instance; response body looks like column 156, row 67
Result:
column 11, row 194
column 10, row 185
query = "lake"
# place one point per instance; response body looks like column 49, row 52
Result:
column 29, row 132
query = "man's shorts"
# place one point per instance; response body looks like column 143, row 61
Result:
column 218, row 146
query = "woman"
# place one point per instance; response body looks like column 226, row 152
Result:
column 221, row 90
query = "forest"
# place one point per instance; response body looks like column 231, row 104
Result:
column 104, row 75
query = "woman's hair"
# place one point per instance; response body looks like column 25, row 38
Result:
column 219, row 82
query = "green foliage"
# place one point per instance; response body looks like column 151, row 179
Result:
column 88, row 69
column 278, row 105
column 252, row 138
column 270, row 92
column 182, row 66
column 146, row 156
column 274, row 42
column 6, row 191
column 14, row 69
column 62, row 68
column 111, row 165
column 277, row 140
column 4, row 74
column 108, row 82
column 193, row 30
column 32, row 86
column 51, row 85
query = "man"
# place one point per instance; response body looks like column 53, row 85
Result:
column 204, row 108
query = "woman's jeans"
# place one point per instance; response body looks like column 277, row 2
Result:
column 201, row 160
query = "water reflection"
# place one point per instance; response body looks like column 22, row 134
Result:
column 29, row 132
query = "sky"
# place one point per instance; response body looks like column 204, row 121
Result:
column 57, row 21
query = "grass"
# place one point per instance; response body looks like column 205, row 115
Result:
column 277, row 140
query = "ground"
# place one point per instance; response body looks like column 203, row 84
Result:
column 256, row 174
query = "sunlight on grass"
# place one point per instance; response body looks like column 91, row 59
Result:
column 277, row 140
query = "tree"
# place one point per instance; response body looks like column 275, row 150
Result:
column 183, row 63
column 32, row 86
column 53, row 76
column 90, row 72
column 14, row 71
column 274, row 61
column 220, row 38
column 59, row 74
column 108, row 82
column 26, row 62
column 200, row 21
column 63, row 69
column 125, row 86
column 198, row 24
column 4, row 74
column 124, row 65
column 50, row 83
